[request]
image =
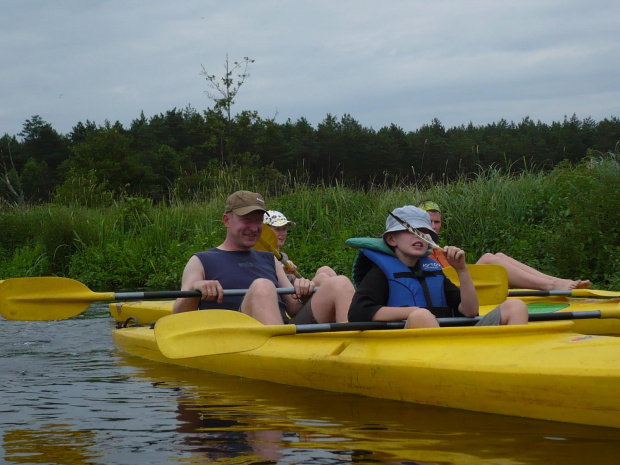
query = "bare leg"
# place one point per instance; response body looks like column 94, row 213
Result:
column 333, row 299
column 513, row 312
column 522, row 276
column 322, row 274
column 421, row 318
column 261, row 302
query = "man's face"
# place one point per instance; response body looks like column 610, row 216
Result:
column 244, row 230
column 435, row 221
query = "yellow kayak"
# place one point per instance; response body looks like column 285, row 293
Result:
column 142, row 312
column 542, row 371
column 146, row 312
column 599, row 326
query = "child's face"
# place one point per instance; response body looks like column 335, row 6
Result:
column 281, row 233
column 407, row 247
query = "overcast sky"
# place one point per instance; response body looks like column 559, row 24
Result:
column 386, row 61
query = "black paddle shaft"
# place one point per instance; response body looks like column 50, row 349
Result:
column 548, row 316
column 445, row 322
column 177, row 294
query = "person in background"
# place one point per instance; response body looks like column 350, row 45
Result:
column 234, row 264
column 279, row 224
column 407, row 285
column 520, row 275
column 435, row 218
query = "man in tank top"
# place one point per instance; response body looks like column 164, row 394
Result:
column 234, row 264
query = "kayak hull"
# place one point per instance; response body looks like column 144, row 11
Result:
column 543, row 371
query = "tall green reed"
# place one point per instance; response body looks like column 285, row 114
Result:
column 563, row 222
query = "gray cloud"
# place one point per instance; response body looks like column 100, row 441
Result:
column 382, row 62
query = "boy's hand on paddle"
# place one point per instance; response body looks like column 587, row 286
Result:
column 455, row 256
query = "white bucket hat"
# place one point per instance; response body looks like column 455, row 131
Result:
column 416, row 217
column 275, row 218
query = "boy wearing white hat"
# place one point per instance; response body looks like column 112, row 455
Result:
column 400, row 282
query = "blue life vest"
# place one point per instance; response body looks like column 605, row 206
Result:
column 422, row 288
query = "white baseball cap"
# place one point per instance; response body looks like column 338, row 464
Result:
column 275, row 218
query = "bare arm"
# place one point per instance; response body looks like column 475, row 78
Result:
column 193, row 280
column 469, row 299
column 303, row 291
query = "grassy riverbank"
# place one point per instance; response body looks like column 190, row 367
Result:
column 564, row 222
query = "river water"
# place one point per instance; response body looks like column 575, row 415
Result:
column 69, row 397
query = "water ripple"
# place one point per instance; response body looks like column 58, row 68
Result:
column 68, row 397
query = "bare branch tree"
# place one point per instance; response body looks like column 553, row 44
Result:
column 225, row 91
column 18, row 192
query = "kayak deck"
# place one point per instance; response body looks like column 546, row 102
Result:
column 146, row 312
column 598, row 326
column 542, row 371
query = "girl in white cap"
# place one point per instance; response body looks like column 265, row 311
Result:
column 279, row 224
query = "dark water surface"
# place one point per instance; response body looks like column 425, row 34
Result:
column 68, row 397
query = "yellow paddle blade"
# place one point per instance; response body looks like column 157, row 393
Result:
column 268, row 242
column 610, row 295
column 588, row 293
column 610, row 313
column 491, row 282
column 210, row 332
column 46, row 298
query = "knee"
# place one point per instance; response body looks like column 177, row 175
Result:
column 514, row 311
column 262, row 286
column 338, row 283
column 323, row 274
column 421, row 318
column 320, row 278
column 487, row 259
column 326, row 270
column 515, row 306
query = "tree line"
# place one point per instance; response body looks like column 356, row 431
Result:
column 177, row 153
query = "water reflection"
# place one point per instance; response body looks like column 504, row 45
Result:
column 68, row 397
column 221, row 417
column 56, row 445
